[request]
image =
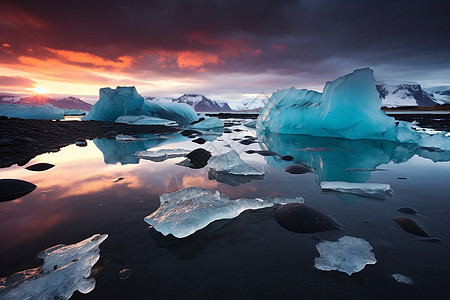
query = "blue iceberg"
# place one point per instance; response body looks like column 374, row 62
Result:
column 126, row 101
column 42, row 112
column 349, row 108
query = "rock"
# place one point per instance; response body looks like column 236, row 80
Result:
column 409, row 225
column 407, row 210
column 118, row 179
column 81, row 143
column 40, row 167
column 300, row 218
column 198, row 121
column 247, row 142
column 199, row 141
column 197, row 158
column 11, row 189
column 250, row 151
column 189, row 132
column 266, row 153
column 226, row 130
column 111, row 135
column 125, row 274
column 286, row 158
column 297, row 169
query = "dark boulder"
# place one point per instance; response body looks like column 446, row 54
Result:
column 40, row 167
column 11, row 189
column 409, row 225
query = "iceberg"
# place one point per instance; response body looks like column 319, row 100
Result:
column 349, row 255
column 186, row 211
column 349, row 108
column 43, row 112
column 402, row 279
column 65, row 270
column 126, row 138
column 375, row 190
column 232, row 163
column 145, row 120
column 207, row 123
column 126, row 101
column 162, row 154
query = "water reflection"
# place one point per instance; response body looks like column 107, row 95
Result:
column 348, row 160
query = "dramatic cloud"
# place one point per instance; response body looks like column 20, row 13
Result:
column 16, row 81
column 251, row 46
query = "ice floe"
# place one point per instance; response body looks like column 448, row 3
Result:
column 402, row 279
column 162, row 154
column 144, row 120
column 375, row 190
column 65, row 270
column 186, row 211
column 232, row 163
column 349, row 255
column 205, row 123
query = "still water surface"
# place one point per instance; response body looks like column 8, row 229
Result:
column 250, row 257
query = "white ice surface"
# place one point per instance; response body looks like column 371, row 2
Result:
column 144, row 120
column 349, row 255
column 232, row 163
column 208, row 123
column 45, row 112
column 126, row 138
column 65, row 270
column 162, row 154
column 186, row 211
column 402, row 279
column 378, row 190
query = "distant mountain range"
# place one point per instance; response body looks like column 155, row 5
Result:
column 199, row 102
column 63, row 103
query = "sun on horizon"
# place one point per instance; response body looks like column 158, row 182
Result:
column 39, row 90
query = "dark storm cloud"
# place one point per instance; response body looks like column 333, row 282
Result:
column 314, row 38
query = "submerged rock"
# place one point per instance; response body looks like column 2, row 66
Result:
column 300, row 218
column 410, row 226
column 407, row 210
column 349, row 255
column 11, row 189
column 186, row 211
column 40, row 167
column 65, row 270
column 297, row 169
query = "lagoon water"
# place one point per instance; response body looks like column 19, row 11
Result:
column 251, row 256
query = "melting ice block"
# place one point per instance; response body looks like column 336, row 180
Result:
column 186, row 211
column 232, row 163
column 207, row 123
column 162, row 154
column 402, row 279
column 349, row 255
column 125, row 101
column 45, row 112
column 144, row 120
column 349, row 108
column 126, row 138
column 65, row 270
column 376, row 190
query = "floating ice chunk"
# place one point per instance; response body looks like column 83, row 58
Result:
column 65, row 270
column 162, row 154
column 349, row 255
column 402, row 279
column 74, row 112
column 231, row 163
column 186, row 211
column 349, row 108
column 207, row 123
column 126, row 138
column 125, row 101
column 376, row 190
column 45, row 112
column 145, row 120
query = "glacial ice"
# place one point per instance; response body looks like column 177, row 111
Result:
column 45, row 112
column 349, row 108
column 232, row 163
column 65, row 270
column 126, row 138
column 186, row 211
column 125, row 101
column 375, row 190
column 162, row 154
column 402, row 279
column 144, row 120
column 207, row 123
column 349, row 255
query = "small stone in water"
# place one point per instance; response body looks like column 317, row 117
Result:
column 125, row 274
column 407, row 210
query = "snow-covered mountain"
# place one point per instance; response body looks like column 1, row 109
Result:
column 63, row 103
column 440, row 94
column 255, row 104
column 202, row 104
column 403, row 93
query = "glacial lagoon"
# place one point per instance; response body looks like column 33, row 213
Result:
column 105, row 189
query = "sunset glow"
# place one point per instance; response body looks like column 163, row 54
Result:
column 39, row 90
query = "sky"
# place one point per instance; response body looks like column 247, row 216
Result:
column 227, row 50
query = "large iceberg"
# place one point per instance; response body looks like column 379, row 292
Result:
column 44, row 112
column 349, row 107
column 65, row 270
column 126, row 101
column 186, row 211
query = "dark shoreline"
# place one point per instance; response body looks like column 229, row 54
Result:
column 21, row 140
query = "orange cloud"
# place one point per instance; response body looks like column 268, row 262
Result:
column 196, row 59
